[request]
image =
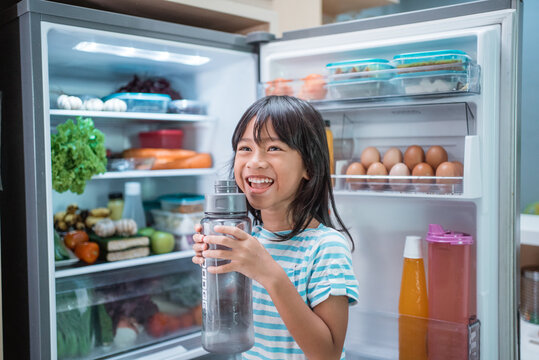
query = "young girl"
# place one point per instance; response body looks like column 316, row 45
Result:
column 303, row 281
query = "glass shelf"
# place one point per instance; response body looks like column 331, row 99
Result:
column 153, row 173
column 59, row 115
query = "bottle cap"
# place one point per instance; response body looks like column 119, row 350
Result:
column 132, row 188
column 226, row 199
column 412, row 247
column 437, row 234
column 327, row 122
column 116, row 195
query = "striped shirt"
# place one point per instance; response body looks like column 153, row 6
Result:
column 318, row 262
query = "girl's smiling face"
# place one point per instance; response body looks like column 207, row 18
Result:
column 269, row 173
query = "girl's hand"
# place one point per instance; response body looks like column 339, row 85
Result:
column 199, row 246
column 246, row 254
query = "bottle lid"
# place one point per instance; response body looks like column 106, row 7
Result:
column 132, row 188
column 226, row 200
column 116, row 195
column 327, row 122
column 412, row 247
column 437, row 234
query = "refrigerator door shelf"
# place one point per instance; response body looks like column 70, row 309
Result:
column 467, row 186
column 377, row 85
column 380, row 332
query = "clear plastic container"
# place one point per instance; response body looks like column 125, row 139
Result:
column 227, row 306
column 450, row 293
column 187, row 107
column 173, row 222
column 426, row 61
column 142, row 102
column 182, row 203
column 164, row 139
column 430, row 83
column 349, row 89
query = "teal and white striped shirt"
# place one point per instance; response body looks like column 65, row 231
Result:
column 318, row 262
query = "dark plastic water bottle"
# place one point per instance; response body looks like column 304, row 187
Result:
column 227, row 305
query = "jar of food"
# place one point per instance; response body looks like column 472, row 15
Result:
column 116, row 205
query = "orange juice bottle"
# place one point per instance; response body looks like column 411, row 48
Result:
column 329, row 137
column 413, row 303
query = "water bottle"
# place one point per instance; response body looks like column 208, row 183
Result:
column 227, row 306
column 133, row 208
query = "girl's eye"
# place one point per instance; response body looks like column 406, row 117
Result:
column 274, row 148
column 244, row 148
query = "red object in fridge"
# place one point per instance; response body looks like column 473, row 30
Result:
column 450, row 293
column 165, row 139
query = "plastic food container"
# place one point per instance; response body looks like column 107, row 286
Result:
column 428, row 83
column 359, row 88
column 176, row 223
column 142, row 102
column 440, row 60
column 183, row 203
column 164, row 139
column 187, row 107
column 362, row 68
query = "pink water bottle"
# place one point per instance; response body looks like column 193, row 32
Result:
column 450, row 292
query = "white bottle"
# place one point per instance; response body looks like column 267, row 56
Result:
column 133, row 204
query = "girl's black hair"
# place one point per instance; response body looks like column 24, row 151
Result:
column 301, row 127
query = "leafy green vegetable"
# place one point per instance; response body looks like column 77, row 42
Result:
column 60, row 251
column 78, row 153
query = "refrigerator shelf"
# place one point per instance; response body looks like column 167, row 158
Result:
column 153, row 173
column 59, row 115
column 377, row 335
column 425, row 185
column 106, row 266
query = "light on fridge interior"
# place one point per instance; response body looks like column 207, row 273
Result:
column 126, row 51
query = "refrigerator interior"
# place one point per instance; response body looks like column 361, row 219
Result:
column 226, row 82
column 463, row 122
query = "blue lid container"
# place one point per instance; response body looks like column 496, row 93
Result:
column 439, row 61
column 361, row 68
column 142, row 102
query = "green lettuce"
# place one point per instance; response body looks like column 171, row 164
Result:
column 78, row 153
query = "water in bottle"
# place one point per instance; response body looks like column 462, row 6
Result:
column 227, row 308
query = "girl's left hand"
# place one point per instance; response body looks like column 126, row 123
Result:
column 247, row 255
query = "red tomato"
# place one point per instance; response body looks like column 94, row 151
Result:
column 72, row 238
column 157, row 325
column 87, row 251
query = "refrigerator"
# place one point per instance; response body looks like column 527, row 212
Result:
column 52, row 49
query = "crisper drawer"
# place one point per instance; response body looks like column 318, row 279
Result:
column 104, row 314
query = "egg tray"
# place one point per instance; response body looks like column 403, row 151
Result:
column 406, row 184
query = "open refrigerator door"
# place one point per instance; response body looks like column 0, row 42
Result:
column 419, row 139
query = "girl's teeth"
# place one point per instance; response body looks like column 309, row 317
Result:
column 260, row 181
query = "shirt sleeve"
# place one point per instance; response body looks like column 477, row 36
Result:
column 332, row 272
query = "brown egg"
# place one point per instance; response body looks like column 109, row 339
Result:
column 435, row 156
column 399, row 169
column 413, row 156
column 392, row 157
column 446, row 169
column 355, row 168
column 377, row 168
column 369, row 155
column 460, row 168
column 423, row 169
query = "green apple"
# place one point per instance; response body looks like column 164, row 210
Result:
column 147, row 231
column 162, row 242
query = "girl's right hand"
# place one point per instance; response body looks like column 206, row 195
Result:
column 199, row 246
